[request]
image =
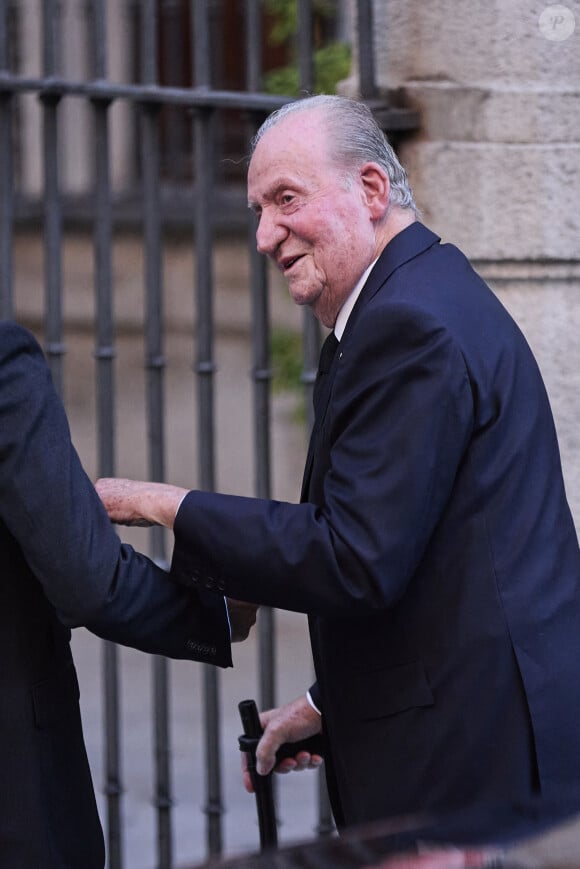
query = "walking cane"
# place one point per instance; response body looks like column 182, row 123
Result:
column 262, row 784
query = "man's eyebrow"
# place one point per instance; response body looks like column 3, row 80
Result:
column 254, row 205
column 271, row 194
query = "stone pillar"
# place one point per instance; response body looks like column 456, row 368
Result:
column 495, row 165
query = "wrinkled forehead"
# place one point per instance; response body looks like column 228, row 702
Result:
column 296, row 144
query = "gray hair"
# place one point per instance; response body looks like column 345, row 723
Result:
column 355, row 138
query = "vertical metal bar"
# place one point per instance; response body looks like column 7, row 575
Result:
column 3, row 35
column 98, row 18
column 51, row 19
column 262, row 375
column 105, row 390
column 253, row 45
column 113, row 783
column 311, row 328
column 54, row 345
column 155, row 365
column 305, row 53
column 366, row 50
column 173, row 50
column 201, row 42
column 6, row 180
column 149, row 74
column 163, row 798
column 205, row 369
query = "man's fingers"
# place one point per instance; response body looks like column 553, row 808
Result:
column 269, row 744
column 265, row 763
column 246, row 774
column 289, row 724
column 302, row 760
column 285, row 766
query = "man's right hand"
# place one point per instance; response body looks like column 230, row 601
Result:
column 289, row 723
column 135, row 502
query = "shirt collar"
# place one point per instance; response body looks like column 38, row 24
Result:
column 349, row 304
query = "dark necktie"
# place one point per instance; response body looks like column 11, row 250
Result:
column 324, row 363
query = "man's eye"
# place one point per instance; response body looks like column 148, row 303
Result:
column 287, row 198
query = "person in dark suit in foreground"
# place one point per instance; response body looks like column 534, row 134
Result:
column 63, row 565
column 433, row 549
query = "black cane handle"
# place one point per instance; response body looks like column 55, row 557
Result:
column 248, row 741
column 250, row 719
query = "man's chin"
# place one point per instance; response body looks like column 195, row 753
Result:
column 304, row 295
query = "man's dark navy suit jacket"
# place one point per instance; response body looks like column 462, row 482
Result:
column 62, row 563
column 434, row 551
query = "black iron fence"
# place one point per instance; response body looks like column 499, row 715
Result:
column 181, row 121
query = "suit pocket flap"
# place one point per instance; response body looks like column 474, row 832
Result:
column 55, row 697
column 384, row 692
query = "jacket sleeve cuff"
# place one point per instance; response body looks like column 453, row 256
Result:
column 313, row 697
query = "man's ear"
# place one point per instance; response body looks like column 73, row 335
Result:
column 376, row 188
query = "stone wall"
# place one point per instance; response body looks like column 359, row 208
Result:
column 495, row 165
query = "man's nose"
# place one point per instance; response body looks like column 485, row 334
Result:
column 270, row 233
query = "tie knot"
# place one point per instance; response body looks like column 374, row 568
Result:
column 324, row 363
column 327, row 353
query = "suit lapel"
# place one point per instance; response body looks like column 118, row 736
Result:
column 405, row 246
column 409, row 243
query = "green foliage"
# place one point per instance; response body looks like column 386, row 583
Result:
column 331, row 61
column 331, row 65
column 287, row 368
column 285, row 14
column 286, row 350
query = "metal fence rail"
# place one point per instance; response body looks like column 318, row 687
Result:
column 202, row 103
